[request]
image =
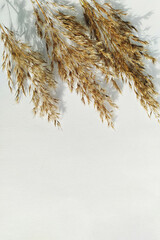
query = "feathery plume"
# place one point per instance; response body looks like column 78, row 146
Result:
column 125, row 50
column 78, row 57
column 28, row 72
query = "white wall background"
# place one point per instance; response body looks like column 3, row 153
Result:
column 86, row 181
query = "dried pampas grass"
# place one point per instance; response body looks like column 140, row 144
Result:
column 77, row 56
column 126, row 51
column 94, row 59
column 28, row 72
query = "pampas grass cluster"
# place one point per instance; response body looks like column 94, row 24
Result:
column 104, row 45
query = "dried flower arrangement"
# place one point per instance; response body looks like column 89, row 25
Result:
column 105, row 45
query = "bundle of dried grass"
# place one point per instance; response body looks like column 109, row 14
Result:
column 91, row 59
column 78, row 57
column 125, row 50
column 28, row 73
